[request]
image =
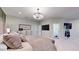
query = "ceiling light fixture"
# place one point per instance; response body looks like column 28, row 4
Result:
column 38, row 15
column 19, row 12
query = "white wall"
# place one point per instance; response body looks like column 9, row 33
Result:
column 13, row 23
column 74, row 31
column 51, row 22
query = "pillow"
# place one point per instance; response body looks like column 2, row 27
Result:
column 14, row 33
column 12, row 41
column 23, row 38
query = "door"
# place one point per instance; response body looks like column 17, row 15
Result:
column 56, row 29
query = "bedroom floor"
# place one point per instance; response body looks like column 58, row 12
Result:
column 67, row 44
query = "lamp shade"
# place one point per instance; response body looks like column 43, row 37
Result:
column 8, row 30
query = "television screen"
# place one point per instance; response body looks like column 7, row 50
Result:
column 68, row 25
column 45, row 27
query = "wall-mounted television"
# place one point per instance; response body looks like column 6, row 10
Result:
column 68, row 25
column 45, row 27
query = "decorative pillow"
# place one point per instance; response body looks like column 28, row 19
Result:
column 23, row 38
column 14, row 33
column 12, row 41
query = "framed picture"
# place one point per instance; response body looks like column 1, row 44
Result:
column 25, row 26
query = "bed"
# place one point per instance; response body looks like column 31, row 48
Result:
column 37, row 44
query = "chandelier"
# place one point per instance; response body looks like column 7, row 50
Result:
column 38, row 15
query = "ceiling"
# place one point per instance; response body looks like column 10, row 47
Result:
column 48, row 12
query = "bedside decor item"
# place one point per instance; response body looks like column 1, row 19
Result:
column 8, row 30
column 38, row 15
